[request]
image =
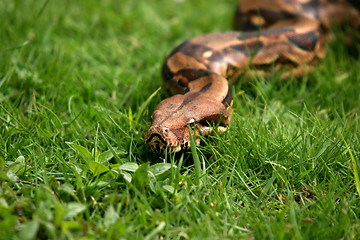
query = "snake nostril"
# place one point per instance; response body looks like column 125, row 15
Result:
column 166, row 131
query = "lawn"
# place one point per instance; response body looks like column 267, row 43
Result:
column 78, row 83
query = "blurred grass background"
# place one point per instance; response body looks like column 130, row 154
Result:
column 74, row 76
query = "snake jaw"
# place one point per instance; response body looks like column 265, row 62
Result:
column 158, row 139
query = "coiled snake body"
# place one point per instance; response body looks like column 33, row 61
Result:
column 286, row 34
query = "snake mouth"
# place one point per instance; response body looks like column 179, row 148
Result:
column 156, row 143
column 169, row 141
column 155, row 137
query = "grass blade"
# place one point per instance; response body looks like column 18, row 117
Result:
column 354, row 165
column 195, row 156
column 144, row 105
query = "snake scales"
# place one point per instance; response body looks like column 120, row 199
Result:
column 275, row 34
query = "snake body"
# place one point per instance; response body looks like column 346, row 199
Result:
column 275, row 34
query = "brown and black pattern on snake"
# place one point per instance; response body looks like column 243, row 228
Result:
column 280, row 34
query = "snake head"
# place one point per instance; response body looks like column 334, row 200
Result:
column 172, row 117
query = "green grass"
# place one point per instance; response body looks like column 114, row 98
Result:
column 75, row 77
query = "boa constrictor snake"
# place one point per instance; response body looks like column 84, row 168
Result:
column 275, row 34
